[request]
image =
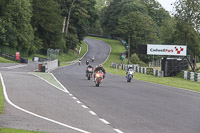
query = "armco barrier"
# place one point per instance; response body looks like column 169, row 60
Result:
column 139, row 69
column 192, row 76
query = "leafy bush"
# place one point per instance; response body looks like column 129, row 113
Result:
column 136, row 60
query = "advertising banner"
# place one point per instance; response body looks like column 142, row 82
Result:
column 17, row 55
column 176, row 50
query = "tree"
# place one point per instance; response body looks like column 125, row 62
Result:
column 140, row 27
column 47, row 22
column 16, row 29
column 188, row 24
column 83, row 15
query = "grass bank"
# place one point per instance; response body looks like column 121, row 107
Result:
column 7, row 130
column 117, row 49
column 3, row 60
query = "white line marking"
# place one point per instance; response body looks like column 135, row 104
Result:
column 78, row 102
column 74, row 98
column 117, row 130
column 84, row 106
column 70, row 94
column 49, row 82
column 59, row 83
column 31, row 113
column 104, row 121
column 93, row 113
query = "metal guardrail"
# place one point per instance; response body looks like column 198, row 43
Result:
column 137, row 68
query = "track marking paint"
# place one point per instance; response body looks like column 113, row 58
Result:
column 31, row 113
column 84, row 106
column 78, row 102
column 118, row 131
column 93, row 113
column 104, row 121
column 74, row 98
column 59, row 83
column 51, row 83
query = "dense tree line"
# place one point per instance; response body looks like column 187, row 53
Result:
column 147, row 22
column 32, row 25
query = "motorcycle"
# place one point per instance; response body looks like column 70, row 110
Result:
column 129, row 75
column 92, row 59
column 87, row 62
column 98, row 78
column 89, row 73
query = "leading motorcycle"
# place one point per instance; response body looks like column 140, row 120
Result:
column 129, row 75
column 98, row 78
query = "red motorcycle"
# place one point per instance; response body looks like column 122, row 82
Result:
column 98, row 78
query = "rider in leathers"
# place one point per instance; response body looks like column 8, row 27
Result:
column 99, row 68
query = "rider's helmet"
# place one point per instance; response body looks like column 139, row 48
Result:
column 100, row 65
column 130, row 66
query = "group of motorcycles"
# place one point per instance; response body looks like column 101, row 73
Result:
column 99, row 75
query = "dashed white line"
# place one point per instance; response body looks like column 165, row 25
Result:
column 78, row 102
column 70, row 94
column 93, row 113
column 84, row 106
column 104, row 121
column 31, row 113
column 74, row 98
column 117, row 130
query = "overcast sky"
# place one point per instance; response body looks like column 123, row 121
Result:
column 166, row 4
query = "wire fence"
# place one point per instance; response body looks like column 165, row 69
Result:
column 52, row 54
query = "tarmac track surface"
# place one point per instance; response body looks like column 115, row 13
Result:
column 136, row 107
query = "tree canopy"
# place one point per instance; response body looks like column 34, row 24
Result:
column 32, row 25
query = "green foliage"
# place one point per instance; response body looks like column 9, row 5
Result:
column 188, row 25
column 16, row 30
column 136, row 60
column 140, row 27
column 47, row 23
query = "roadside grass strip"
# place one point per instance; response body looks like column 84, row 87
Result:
column 8, row 130
column 3, row 60
column 2, row 100
column 48, row 77
column 117, row 49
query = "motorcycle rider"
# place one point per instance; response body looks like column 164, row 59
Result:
column 89, row 66
column 93, row 59
column 130, row 68
column 98, row 68
column 87, row 62
column 79, row 61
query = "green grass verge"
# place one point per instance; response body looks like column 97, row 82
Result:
column 117, row 49
column 36, row 55
column 2, row 100
column 73, row 55
column 64, row 64
column 8, row 130
column 3, row 60
column 48, row 77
